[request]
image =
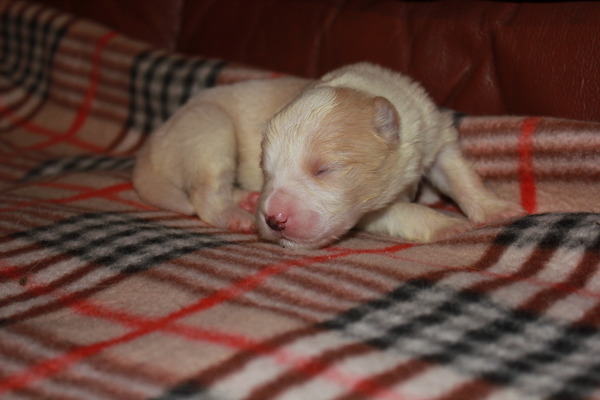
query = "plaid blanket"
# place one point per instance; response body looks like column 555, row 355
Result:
column 104, row 297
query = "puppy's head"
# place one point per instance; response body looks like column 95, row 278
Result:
column 328, row 158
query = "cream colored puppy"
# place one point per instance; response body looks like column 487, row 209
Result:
column 346, row 150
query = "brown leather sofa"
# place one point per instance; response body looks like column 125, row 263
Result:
column 478, row 57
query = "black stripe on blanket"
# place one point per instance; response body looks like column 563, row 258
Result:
column 160, row 84
column 118, row 241
column 29, row 44
column 553, row 230
column 470, row 333
column 85, row 163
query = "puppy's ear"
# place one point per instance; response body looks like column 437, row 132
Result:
column 386, row 121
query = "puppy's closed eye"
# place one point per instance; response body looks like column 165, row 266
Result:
column 321, row 171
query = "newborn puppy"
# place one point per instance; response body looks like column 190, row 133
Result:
column 346, row 150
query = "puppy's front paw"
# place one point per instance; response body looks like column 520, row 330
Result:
column 225, row 212
column 247, row 201
column 237, row 220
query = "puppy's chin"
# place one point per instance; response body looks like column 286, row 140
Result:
column 315, row 241
column 304, row 244
column 290, row 244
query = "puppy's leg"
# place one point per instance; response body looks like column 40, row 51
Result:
column 211, row 166
column 452, row 174
column 155, row 189
column 413, row 222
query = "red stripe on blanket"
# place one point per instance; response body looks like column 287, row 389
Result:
column 300, row 366
column 305, row 366
column 526, row 171
column 322, row 366
column 90, row 94
column 102, row 192
column 577, row 280
column 82, row 114
column 52, row 366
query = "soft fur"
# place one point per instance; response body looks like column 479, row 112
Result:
column 346, row 150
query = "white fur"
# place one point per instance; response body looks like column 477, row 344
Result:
column 346, row 150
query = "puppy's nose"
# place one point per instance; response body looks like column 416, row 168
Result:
column 276, row 222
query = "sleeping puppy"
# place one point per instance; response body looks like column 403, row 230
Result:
column 343, row 151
